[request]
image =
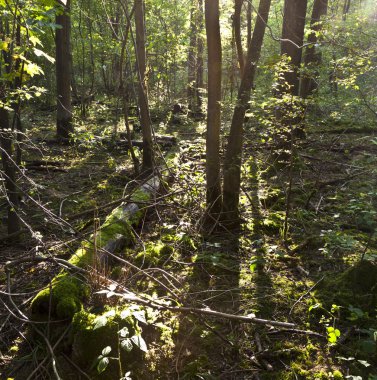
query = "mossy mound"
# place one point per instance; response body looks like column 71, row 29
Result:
column 154, row 254
column 92, row 333
column 66, row 299
column 356, row 286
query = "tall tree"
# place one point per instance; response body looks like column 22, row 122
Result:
column 64, row 123
column 212, row 22
column 233, row 158
column 199, row 63
column 148, row 156
column 237, row 34
column 312, row 57
column 192, row 58
column 292, row 40
column 9, row 168
column 7, row 70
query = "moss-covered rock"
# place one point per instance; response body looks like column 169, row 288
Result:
column 356, row 286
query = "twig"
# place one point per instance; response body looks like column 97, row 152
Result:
column 298, row 331
column 306, row 293
column 258, row 342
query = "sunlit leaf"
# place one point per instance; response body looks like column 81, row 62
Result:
column 138, row 341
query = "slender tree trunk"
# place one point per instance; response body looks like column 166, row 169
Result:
column 293, row 31
column 233, row 158
column 63, row 73
column 312, row 57
column 199, row 63
column 237, row 34
column 192, row 59
column 17, row 124
column 248, row 17
column 7, row 134
column 6, row 140
column 346, row 8
column 148, row 156
column 213, row 112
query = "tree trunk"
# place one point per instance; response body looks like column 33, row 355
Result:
column 346, row 8
column 213, row 111
column 293, row 31
column 312, row 57
column 191, row 59
column 148, row 156
column 248, row 17
column 63, row 73
column 6, row 139
column 199, row 63
column 233, row 158
column 237, row 33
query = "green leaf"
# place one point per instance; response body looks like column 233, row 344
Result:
column 106, row 351
column 332, row 334
column 364, row 363
column 40, row 53
column 102, row 365
column 126, row 344
column 100, row 322
column 316, row 306
column 139, row 342
column 140, row 316
column 123, row 332
column 125, row 313
column 127, row 376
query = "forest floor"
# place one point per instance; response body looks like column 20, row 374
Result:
column 319, row 273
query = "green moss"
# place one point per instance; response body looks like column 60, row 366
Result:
column 140, row 196
column 154, row 254
column 69, row 292
column 274, row 222
column 116, row 272
column 88, row 341
column 337, row 375
column 66, row 299
column 356, row 286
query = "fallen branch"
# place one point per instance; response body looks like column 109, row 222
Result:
column 206, row 311
column 46, row 168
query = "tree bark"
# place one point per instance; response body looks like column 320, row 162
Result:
column 199, row 63
column 192, row 59
column 293, row 31
column 312, row 57
column 237, row 34
column 233, row 158
column 248, row 17
column 64, row 123
column 6, row 140
column 213, row 112
column 148, row 156
column 346, row 8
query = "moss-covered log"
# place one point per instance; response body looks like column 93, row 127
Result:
column 69, row 290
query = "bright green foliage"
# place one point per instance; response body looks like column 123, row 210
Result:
column 66, row 299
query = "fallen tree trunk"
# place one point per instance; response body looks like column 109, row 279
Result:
column 66, row 293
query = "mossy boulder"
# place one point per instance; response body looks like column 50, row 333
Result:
column 356, row 286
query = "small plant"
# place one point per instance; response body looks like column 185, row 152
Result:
column 124, row 340
column 329, row 320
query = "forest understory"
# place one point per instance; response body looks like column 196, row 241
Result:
column 305, row 255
